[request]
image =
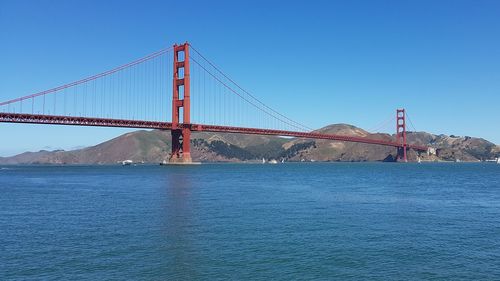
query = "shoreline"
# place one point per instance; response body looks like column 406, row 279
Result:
column 239, row 163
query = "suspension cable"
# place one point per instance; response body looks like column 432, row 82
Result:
column 298, row 125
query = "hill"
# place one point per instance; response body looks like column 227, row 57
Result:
column 154, row 147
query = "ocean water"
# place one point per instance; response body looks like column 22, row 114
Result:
column 337, row 221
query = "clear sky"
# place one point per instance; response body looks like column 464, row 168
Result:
column 319, row 62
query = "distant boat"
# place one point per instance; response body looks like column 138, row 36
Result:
column 127, row 162
column 263, row 161
column 283, row 160
column 419, row 160
column 273, row 162
column 498, row 160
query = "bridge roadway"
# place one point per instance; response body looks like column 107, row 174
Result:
column 103, row 122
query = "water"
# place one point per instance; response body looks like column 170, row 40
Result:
column 260, row 222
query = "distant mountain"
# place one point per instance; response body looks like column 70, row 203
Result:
column 326, row 150
column 154, row 147
column 147, row 146
column 451, row 148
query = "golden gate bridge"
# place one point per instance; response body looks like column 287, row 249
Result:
column 202, row 98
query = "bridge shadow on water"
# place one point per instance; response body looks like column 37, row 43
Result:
column 178, row 248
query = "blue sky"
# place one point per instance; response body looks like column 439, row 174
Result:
column 319, row 62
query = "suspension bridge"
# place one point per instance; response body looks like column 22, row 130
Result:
column 202, row 98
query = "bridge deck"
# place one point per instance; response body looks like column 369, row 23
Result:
column 103, row 122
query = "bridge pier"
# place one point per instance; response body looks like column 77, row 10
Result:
column 181, row 146
column 181, row 131
column 402, row 154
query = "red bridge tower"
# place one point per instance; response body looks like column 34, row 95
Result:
column 181, row 136
column 401, row 135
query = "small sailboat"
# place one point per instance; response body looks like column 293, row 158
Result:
column 282, row 160
column 419, row 160
column 498, row 160
column 263, row 161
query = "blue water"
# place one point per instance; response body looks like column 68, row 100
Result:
column 233, row 222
